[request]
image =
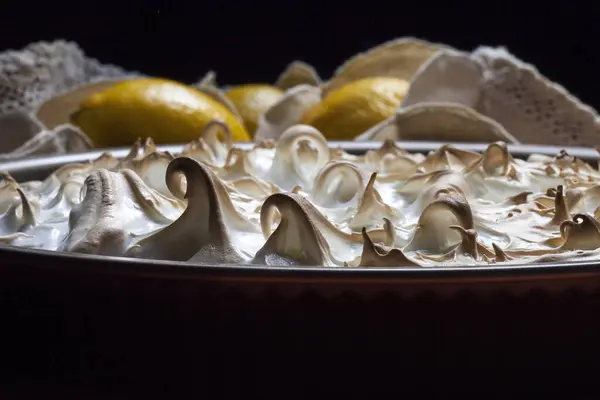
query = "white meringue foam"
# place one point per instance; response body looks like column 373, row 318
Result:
column 297, row 202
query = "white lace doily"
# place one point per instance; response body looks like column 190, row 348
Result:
column 29, row 77
column 511, row 92
column 43, row 70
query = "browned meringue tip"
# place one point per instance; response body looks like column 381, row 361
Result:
column 496, row 156
column 296, row 236
column 561, row 212
column 582, row 233
column 296, row 189
column 378, row 256
column 219, row 130
column 351, row 180
column 28, row 212
column 468, row 243
column 499, row 254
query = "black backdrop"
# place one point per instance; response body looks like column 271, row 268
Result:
column 253, row 41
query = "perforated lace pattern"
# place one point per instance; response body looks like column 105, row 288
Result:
column 46, row 69
column 530, row 106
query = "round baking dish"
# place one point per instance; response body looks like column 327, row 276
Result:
column 291, row 281
column 88, row 319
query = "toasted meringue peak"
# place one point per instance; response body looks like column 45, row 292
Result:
column 200, row 230
column 469, row 243
column 582, row 233
column 21, row 215
column 372, row 207
column 296, row 240
column 291, row 166
column 561, row 211
column 374, row 255
column 338, row 183
column 499, row 254
column 433, row 234
column 298, row 202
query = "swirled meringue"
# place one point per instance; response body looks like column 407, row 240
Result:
column 298, row 202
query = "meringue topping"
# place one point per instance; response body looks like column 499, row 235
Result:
column 297, row 202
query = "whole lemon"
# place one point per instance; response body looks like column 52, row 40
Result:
column 167, row 111
column 252, row 100
column 357, row 106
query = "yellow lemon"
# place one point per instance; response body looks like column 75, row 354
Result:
column 355, row 107
column 167, row 111
column 252, row 100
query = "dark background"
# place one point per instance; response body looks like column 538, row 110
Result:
column 253, row 41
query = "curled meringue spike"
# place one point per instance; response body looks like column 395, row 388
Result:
column 8, row 192
column 400, row 58
column 374, row 255
column 582, row 233
column 469, row 244
column 289, row 169
column 298, row 73
column 390, row 234
column 296, row 189
column 343, row 246
column 156, row 206
column 433, row 234
column 561, row 211
column 148, row 146
column 199, row 150
column 236, row 165
column 69, row 193
column 296, row 240
column 218, row 137
column 499, row 254
column 21, row 215
column 445, row 122
column 152, row 169
column 232, row 217
column 96, row 224
column 134, row 152
column 496, row 160
column 337, row 183
column 287, row 112
column 371, row 206
column 200, row 230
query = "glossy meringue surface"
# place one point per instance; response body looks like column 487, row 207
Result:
column 299, row 202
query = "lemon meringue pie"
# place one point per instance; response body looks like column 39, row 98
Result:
column 299, row 202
